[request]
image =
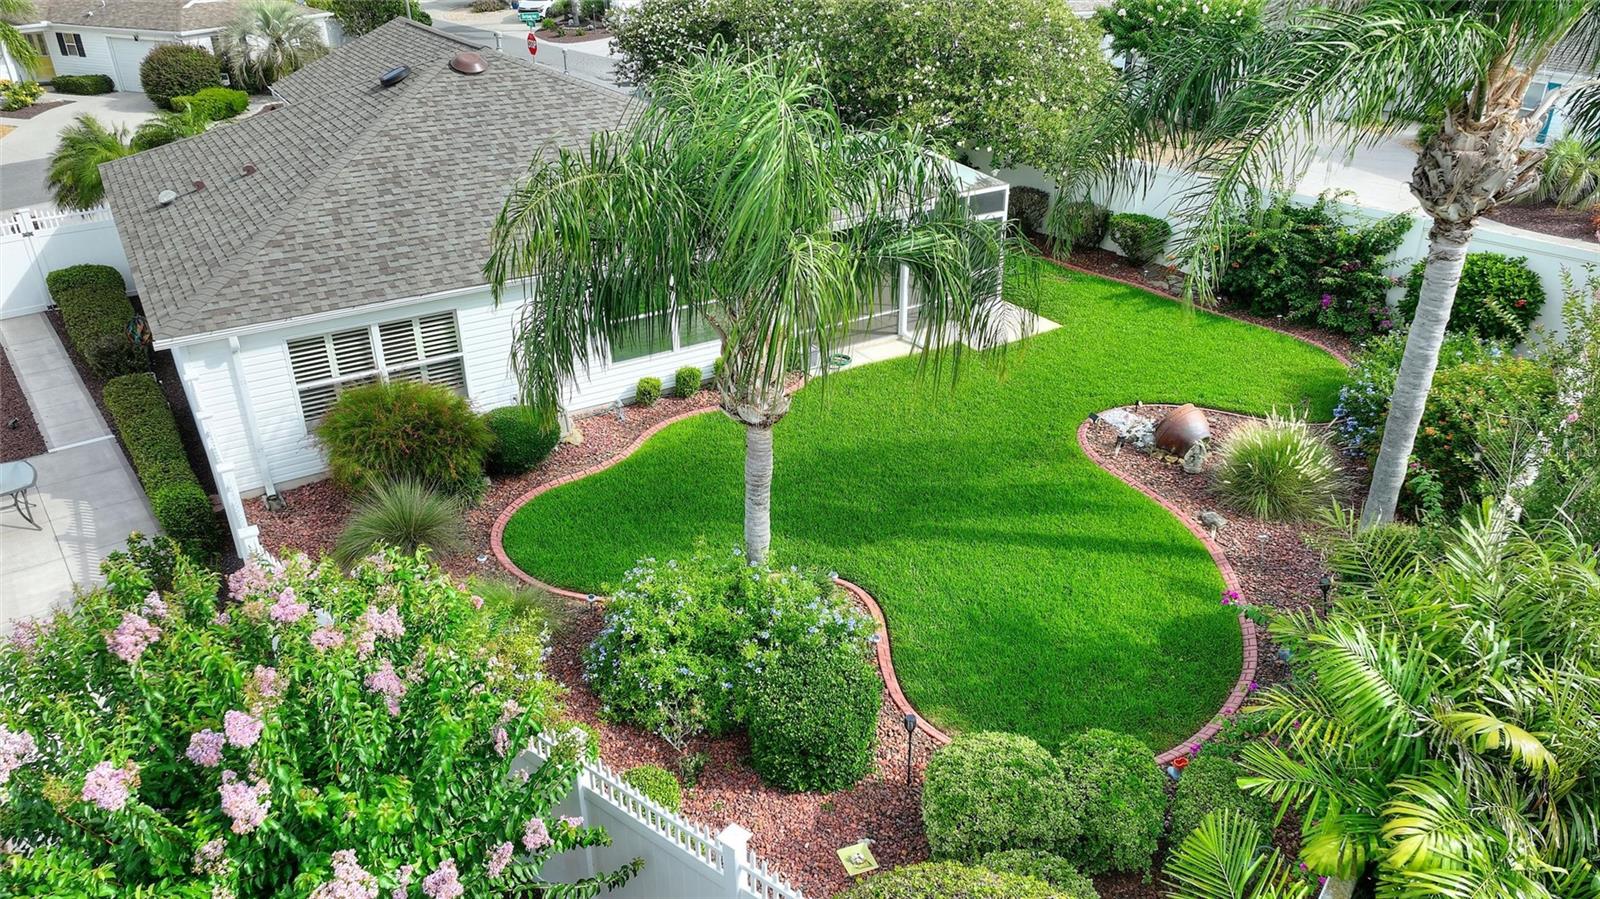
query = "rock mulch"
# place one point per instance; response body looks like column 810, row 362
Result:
column 24, row 439
column 28, row 112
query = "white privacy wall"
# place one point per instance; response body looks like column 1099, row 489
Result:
column 35, row 242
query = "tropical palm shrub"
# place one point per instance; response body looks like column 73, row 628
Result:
column 1440, row 729
column 521, row 440
column 814, row 718
column 1209, row 784
column 403, row 513
column 74, row 174
column 1570, row 173
column 406, row 429
column 1125, row 800
column 1140, row 237
column 317, row 734
column 175, row 70
column 1498, row 299
column 951, row 880
column 170, row 126
column 657, row 783
column 1276, row 470
column 270, row 39
column 1223, row 859
column 988, row 792
column 1052, row 869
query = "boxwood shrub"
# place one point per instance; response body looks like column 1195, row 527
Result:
column 687, row 381
column 1082, row 223
column 82, row 84
column 406, row 429
column 1126, row 804
column 175, row 70
column 950, row 880
column 1052, row 869
column 986, row 792
column 521, row 440
column 1211, row 783
column 1498, row 297
column 143, row 420
column 1140, row 237
column 814, row 718
column 647, row 391
column 98, row 317
column 657, row 783
column 217, row 103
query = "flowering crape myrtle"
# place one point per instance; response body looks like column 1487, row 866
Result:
column 315, row 734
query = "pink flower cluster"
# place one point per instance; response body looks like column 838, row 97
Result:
column 402, row 876
column 156, row 607
column 252, row 578
column 17, row 748
column 444, row 882
column 572, row 821
column 25, row 634
column 536, row 835
column 246, row 803
column 109, row 786
column 350, row 880
column 132, row 637
column 386, row 683
column 502, row 740
column 205, row 748
column 499, row 858
column 386, row 624
column 287, row 609
column 268, row 683
column 210, row 859
column 242, row 728
column 326, row 638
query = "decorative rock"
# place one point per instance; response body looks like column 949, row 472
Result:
column 1136, row 430
column 1194, row 461
column 1213, row 522
column 573, row 436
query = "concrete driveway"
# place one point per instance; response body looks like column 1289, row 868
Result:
column 25, row 152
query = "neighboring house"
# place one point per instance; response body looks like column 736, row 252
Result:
column 340, row 239
column 112, row 37
column 1570, row 61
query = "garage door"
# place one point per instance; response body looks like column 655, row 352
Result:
column 126, row 54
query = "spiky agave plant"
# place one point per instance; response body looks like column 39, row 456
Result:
column 1278, row 469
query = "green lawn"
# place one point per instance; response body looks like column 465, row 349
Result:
column 1026, row 589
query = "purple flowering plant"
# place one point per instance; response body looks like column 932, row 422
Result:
column 151, row 745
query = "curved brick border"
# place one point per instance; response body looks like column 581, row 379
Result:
column 886, row 663
column 1247, row 628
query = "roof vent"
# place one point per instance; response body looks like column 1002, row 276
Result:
column 468, row 63
column 394, row 76
column 249, row 168
column 166, row 197
column 199, row 185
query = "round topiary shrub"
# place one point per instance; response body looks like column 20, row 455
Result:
column 814, row 718
column 1140, row 237
column 657, row 783
column 1126, row 804
column 521, row 440
column 950, row 880
column 175, row 70
column 1276, row 470
column 1498, row 297
column 406, row 429
column 1052, row 869
column 1211, row 783
column 686, row 383
column 647, row 391
column 986, row 792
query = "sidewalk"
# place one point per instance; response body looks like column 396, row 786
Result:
column 87, row 498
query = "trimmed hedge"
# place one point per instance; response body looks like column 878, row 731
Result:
column 82, row 84
column 1209, row 784
column 949, row 880
column 98, row 317
column 217, row 103
column 1140, row 237
column 143, row 420
column 814, row 718
column 521, row 440
column 1028, row 206
column 1052, row 869
column 686, row 382
column 986, row 792
column 1127, row 800
column 657, row 783
column 175, row 70
column 647, row 391
column 1498, row 297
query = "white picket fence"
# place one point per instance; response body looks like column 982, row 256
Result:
column 36, row 241
column 682, row 860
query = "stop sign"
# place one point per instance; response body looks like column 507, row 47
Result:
column 533, row 45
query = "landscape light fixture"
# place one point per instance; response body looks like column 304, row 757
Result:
column 1325, row 584
column 911, row 728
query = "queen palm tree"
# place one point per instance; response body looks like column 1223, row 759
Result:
column 738, row 198
column 270, row 39
column 1240, row 106
column 11, row 40
column 74, row 172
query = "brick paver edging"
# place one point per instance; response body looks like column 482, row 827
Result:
column 1247, row 628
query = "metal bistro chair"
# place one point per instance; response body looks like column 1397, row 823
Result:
column 16, row 479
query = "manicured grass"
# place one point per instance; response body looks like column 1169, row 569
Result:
column 1026, row 589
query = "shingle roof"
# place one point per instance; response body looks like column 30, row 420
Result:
column 361, row 194
column 151, row 15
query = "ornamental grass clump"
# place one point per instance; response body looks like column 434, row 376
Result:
column 317, row 734
column 1276, row 470
column 404, row 514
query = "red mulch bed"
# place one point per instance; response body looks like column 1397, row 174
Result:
column 28, row 112
column 1547, row 218
column 23, row 440
column 589, row 34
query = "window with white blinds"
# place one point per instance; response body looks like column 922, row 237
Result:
column 427, row 349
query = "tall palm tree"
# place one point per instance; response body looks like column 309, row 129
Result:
column 74, row 172
column 1348, row 73
column 12, row 40
column 270, row 39
column 738, row 198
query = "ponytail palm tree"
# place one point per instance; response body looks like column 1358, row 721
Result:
column 270, row 39
column 1240, row 106
column 737, row 198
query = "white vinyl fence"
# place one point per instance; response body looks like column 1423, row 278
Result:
column 682, row 860
column 36, row 241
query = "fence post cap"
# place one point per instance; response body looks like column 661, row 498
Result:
column 735, row 837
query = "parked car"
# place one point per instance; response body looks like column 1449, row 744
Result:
column 539, row 7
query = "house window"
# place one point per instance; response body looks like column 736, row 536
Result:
column 643, row 336
column 694, row 328
column 426, row 349
column 70, row 44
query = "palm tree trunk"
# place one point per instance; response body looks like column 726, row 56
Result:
column 757, row 491
column 1447, row 253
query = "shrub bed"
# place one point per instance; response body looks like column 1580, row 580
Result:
column 950, row 880
column 647, row 391
column 99, row 318
column 217, row 103
column 1364, row 399
column 1498, row 297
column 144, row 422
column 175, row 70
column 19, row 94
column 1209, row 784
column 814, row 718
column 1028, row 206
column 1140, row 237
column 987, row 792
column 1081, row 223
column 657, row 783
column 1476, row 406
column 521, row 440
column 406, row 429
column 82, row 84
column 1126, row 800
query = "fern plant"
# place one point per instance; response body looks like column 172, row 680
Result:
column 1222, row 859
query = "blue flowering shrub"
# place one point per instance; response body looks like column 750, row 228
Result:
column 685, row 641
column 1364, row 399
column 317, row 734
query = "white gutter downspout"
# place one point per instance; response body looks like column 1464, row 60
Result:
column 241, row 395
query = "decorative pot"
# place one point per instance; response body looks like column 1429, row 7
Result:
column 1181, row 429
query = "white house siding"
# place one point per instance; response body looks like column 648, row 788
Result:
column 291, row 453
column 95, row 61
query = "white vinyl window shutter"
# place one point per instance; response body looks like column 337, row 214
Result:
column 327, row 364
column 399, row 341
